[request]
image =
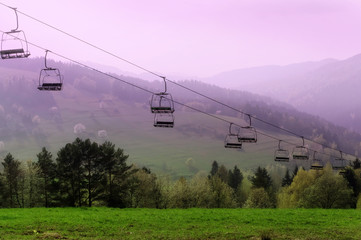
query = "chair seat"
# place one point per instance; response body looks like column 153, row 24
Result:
column 51, row 86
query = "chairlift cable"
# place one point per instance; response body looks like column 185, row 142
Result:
column 151, row 92
column 166, row 79
column 144, row 89
column 86, row 42
column 151, row 72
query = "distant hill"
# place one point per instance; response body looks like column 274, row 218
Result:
column 96, row 106
column 328, row 88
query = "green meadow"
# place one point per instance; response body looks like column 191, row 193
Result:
column 111, row 223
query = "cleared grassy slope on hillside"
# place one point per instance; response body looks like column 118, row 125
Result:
column 100, row 103
column 196, row 138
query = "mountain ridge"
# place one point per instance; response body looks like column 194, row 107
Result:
column 327, row 88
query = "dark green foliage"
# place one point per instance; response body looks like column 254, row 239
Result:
column 354, row 183
column 295, row 171
column 13, row 183
column 144, row 190
column 287, row 180
column 261, row 179
column 46, row 170
column 219, row 171
column 235, row 178
column 90, row 172
column 70, row 169
column 116, row 174
column 356, row 164
column 214, row 169
column 3, row 194
column 222, row 173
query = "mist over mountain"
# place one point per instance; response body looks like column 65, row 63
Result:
column 99, row 107
column 328, row 88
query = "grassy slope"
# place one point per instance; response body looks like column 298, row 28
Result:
column 129, row 126
column 163, row 150
column 107, row 223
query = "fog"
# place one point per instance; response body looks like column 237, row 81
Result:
column 328, row 88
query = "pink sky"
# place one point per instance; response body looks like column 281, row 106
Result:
column 193, row 37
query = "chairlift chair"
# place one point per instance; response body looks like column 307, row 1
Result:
column 339, row 163
column 300, row 152
column 162, row 102
column 232, row 140
column 50, row 78
column 317, row 163
column 281, row 155
column 14, row 43
column 248, row 134
column 164, row 120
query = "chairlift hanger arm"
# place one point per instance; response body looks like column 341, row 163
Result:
column 46, row 59
column 17, row 19
column 230, row 128
column 314, row 155
column 165, row 84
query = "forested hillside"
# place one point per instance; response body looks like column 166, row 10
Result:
column 96, row 106
column 327, row 88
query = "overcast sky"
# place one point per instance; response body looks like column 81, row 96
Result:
column 192, row 37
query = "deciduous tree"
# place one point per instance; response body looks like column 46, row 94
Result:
column 329, row 191
column 258, row 198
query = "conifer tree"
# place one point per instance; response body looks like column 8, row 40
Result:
column 13, row 174
column 235, row 178
column 287, row 180
column 214, row 169
column 261, row 179
column 46, row 170
column 356, row 164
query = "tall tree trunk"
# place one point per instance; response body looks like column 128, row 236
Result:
column 46, row 192
column 89, row 187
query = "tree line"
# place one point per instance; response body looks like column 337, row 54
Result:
column 85, row 173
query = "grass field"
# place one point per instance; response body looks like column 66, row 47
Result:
column 109, row 223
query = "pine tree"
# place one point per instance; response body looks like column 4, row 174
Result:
column 235, row 178
column 353, row 183
column 13, row 174
column 295, row 171
column 261, row 179
column 222, row 173
column 117, row 174
column 47, row 172
column 287, row 180
column 70, row 172
column 214, row 169
column 356, row 164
